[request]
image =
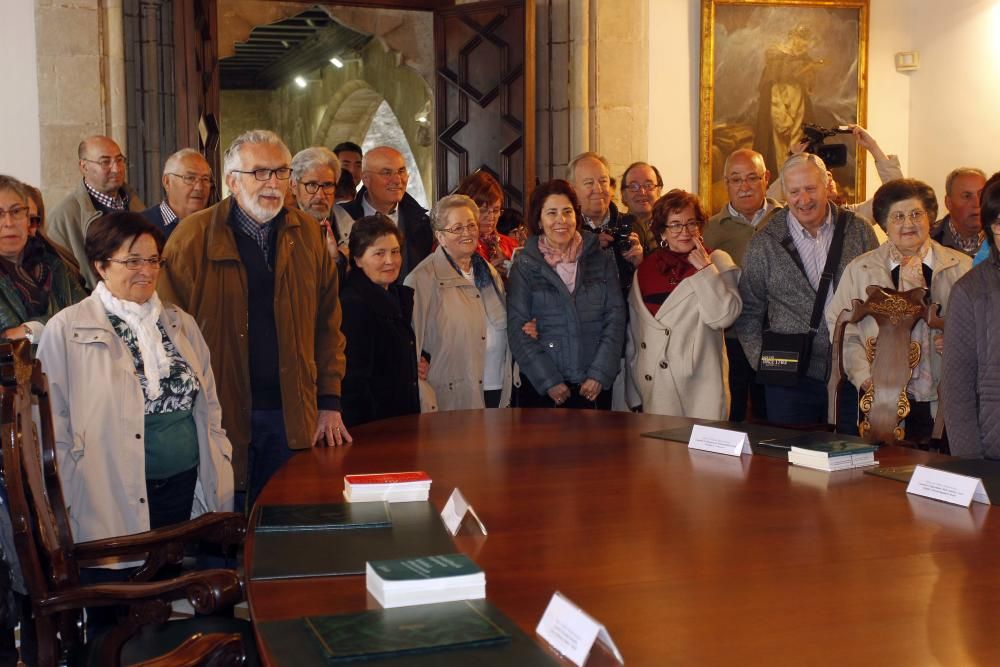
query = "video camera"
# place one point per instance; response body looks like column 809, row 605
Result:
column 834, row 155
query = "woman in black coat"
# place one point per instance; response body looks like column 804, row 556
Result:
column 381, row 379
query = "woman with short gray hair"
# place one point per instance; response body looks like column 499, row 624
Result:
column 460, row 316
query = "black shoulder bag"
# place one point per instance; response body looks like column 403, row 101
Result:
column 784, row 358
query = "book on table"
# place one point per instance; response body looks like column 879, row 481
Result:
column 324, row 516
column 392, row 487
column 411, row 581
column 387, row 633
column 830, row 451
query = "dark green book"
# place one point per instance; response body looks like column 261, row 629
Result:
column 830, row 444
column 291, row 643
column 402, row 631
column 426, row 567
column 330, row 516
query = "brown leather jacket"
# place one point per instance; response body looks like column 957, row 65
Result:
column 205, row 277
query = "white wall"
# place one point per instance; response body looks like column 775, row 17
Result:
column 944, row 115
column 20, row 142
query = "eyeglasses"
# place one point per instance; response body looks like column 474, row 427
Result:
column 190, row 179
column 648, row 186
column 133, row 263
column 16, row 213
column 283, row 173
column 687, row 226
column 106, row 163
column 496, row 211
column 386, row 174
column 312, row 187
column 458, row 230
column 738, row 181
column 916, row 215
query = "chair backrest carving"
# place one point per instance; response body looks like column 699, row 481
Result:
column 892, row 358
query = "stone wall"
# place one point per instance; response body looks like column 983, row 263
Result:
column 81, row 84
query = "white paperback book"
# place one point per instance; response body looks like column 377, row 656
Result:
column 425, row 580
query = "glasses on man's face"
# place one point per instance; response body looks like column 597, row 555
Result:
column 459, row 230
column 386, row 174
column 283, row 173
column 106, row 163
column 648, row 186
column 133, row 263
column 190, row 179
column 752, row 180
column 916, row 215
column 312, row 187
column 676, row 227
column 16, row 213
column 491, row 210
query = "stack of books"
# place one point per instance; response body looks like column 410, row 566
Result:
column 833, row 454
column 428, row 580
column 393, row 487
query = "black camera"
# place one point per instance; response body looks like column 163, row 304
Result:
column 834, row 155
column 621, row 232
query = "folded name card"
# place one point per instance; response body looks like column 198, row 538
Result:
column 719, row 440
column 948, row 487
column 571, row 632
column 455, row 510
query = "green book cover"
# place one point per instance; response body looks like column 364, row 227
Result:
column 831, row 444
column 427, row 567
column 404, row 630
column 323, row 516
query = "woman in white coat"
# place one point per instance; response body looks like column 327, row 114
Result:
column 138, row 426
column 683, row 297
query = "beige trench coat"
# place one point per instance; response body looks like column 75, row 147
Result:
column 98, row 414
column 872, row 268
column 677, row 360
column 450, row 323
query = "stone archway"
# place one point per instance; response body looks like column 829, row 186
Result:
column 348, row 114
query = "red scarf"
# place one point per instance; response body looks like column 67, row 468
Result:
column 661, row 273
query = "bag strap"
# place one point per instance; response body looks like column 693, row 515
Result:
column 832, row 261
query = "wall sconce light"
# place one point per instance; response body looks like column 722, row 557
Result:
column 907, row 61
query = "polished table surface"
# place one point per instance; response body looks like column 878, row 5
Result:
column 687, row 557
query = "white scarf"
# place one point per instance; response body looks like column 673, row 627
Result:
column 141, row 318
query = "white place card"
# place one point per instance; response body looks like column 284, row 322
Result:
column 571, row 632
column 946, row 486
column 455, row 510
column 719, row 440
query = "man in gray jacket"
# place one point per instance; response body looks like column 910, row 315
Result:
column 782, row 268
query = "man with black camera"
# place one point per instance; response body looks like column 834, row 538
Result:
column 590, row 176
column 790, row 270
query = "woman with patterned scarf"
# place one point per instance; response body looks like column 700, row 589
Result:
column 909, row 259
column 460, row 316
column 568, row 285
column 35, row 283
column 682, row 299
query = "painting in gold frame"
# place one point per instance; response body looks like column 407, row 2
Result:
column 768, row 67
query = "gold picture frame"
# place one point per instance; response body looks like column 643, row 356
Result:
column 805, row 56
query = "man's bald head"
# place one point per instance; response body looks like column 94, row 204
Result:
column 102, row 164
column 383, row 171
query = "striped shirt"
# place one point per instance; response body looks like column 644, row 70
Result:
column 813, row 249
column 169, row 217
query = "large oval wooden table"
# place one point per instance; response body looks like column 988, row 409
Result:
column 688, row 557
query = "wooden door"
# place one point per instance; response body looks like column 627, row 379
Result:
column 196, row 33
column 485, row 96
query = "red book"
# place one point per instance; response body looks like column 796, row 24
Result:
column 388, row 478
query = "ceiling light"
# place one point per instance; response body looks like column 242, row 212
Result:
column 336, row 62
column 300, row 82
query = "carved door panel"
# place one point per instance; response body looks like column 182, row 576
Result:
column 485, row 96
column 197, row 76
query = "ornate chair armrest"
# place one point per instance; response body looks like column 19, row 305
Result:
column 219, row 527
column 215, row 650
column 206, row 590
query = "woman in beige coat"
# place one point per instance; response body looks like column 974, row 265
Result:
column 133, row 456
column 460, row 316
column 681, row 300
column 909, row 259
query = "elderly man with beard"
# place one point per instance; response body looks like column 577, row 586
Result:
column 782, row 271
column 315, row 172
column 260, row 282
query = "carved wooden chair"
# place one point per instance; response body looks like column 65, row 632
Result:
column 50, row 560
column 892, row 357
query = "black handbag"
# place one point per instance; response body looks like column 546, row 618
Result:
column 784, row 357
